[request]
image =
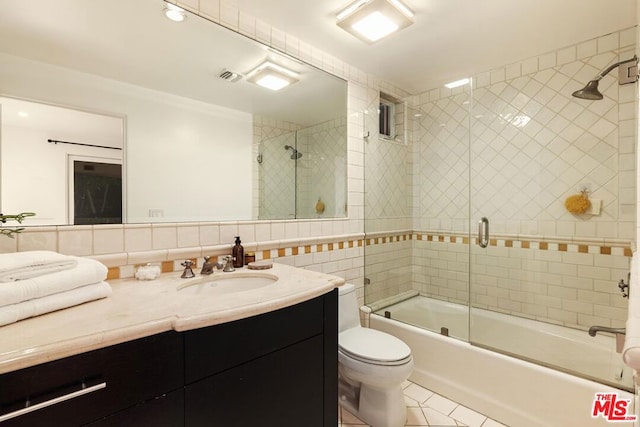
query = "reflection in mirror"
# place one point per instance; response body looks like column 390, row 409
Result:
column 96, row 190
column 302, row 173
column 63, row 164
column 198, row 144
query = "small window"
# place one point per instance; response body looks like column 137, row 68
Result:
column 392, row 118
column 387, row 119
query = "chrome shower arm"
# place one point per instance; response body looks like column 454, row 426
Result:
column 611, row 67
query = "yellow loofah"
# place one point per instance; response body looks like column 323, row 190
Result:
column 578, row 203
column 319, row 206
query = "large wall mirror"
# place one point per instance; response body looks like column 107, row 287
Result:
column 108, row 100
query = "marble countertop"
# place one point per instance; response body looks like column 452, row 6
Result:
column 141, row 308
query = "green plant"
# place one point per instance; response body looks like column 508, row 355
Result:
column 9, row 232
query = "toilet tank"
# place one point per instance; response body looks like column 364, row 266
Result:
column 348, row 312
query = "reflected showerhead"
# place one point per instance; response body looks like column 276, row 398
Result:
column 590, row 91
column 296, row 155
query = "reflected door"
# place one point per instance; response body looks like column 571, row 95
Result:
column 97, row 192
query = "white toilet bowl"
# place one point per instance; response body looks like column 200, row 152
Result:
column 372, row 367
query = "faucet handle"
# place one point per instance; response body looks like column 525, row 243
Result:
column 188, row 272
column 228, row 266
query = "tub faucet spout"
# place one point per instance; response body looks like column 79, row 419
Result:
column 595, row 329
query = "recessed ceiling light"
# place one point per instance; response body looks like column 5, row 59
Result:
column 371, row 20
column 375, row 26
column 175, row 13
column 272, row 76
column 457, row 83
column 23, row 114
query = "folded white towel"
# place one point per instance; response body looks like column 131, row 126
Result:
column 24, row 265
column 86, row 272
column 35, row 307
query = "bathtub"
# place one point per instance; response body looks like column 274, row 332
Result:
column 513, row 391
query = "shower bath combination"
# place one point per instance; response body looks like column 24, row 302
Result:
column 627, row 73
column 295, row 155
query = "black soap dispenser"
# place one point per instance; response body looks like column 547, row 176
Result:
column 238, row 254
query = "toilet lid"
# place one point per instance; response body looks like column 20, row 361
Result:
column 372, row 346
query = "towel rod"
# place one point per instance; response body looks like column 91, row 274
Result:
column 55, row 141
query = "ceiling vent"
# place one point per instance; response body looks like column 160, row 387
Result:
column 229, row 76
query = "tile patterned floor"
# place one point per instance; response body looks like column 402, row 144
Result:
column 426, row 408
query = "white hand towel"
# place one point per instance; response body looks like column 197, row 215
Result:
column 631, row 350
column 86, row 272
column 35, row 307
column 24, row 265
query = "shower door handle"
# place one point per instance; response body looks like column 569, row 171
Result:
column 483, row 232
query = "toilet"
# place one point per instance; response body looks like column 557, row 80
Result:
column 372, row 365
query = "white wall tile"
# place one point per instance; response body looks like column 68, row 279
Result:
column 137, row 238
column 40, row 238
column 109, row 239
column 77, row 240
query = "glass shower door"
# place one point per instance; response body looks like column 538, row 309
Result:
column 540, row 275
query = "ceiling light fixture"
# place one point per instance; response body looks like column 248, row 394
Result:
column 175, row 13
column 272, row 76
column 457, row 83
column 371, row 20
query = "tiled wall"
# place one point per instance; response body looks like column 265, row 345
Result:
column 274, row 174
column 317, row 245
column 569, row 283
column 389, row 265
column 321, row 169
column 289, row 189
column 532, row 145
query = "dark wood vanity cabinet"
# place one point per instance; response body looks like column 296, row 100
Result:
column 268, row 370
column 79, row 389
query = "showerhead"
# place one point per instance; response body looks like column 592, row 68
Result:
column 295, row 155
column 627, row 73
column 590, row 91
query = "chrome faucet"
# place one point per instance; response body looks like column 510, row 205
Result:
column 228, row 266
column 188, row 272
column 207, row 267
column 595, row 329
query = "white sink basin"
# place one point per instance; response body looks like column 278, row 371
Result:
column 222, row 283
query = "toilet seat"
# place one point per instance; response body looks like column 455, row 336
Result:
column 374, row 347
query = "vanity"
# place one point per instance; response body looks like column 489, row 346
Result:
column 152, row 356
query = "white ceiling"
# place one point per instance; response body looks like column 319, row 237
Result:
column 450, row 38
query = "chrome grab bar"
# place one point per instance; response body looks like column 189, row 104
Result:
column 52, row 402
column 483, row 232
